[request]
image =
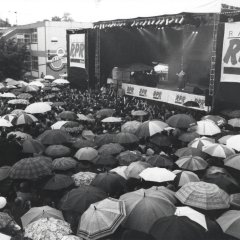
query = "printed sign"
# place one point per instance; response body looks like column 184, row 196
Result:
column 77, row 50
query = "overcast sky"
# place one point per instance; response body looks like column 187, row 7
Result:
column 29, row 11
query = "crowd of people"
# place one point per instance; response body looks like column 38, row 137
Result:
column 18, row 196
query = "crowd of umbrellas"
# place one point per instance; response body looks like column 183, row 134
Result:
column 177, row 179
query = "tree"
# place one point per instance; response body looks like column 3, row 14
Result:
column 56, row 19
column 67, row 17
column 12, row 59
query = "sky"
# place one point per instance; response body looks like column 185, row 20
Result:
column 29, row 11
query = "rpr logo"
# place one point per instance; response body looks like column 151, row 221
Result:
column 130, row 90
column 143, row 92
column 157, row 95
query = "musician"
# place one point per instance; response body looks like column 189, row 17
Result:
column 181, row 80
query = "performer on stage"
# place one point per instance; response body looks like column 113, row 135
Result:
column 181, row 80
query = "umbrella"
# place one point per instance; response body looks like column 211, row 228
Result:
column 126, row 138
column 71, row 237
column 192, row 214
column 190, row 151
column 207, row 128
column 139, row 113
column 22, row 83
column 181, row 121
column 161, row 161
column 112, row 120
column 105, row 160
column 60, row 81
column 233, row 161
column 149, row 128
column 235, row 200
column 57, row 104
column 218, row 120
column 188, row 136
column 79, row 199
column 18, row 101
column 86, row 154
column 24, row 96
column 218, row 150
column 49, row 96
column 161, row 140
column 235, row 122
column 7, row 95
column 36, row 213
column 47, row 229
column 5, row 123
column 230, row 223
column 18, row 134
column 9, row 117
column 156, row 174
column 24, row 118
column 11, row 81
column 183, row 177
column 30, row 88
column 68, row 115
column 135, row 168
column 36, row 83
column 203, row 195
column 5, row 219
column 49, row 77
column 143, row 208
column 105, row 112
column 120, row 171
column 223, row 140
column 130, row 126
column 32, row 146
column 127, row 157
column 81, row 143
column 101, row 219
column 83, row 178
column 200, row 142
column 17, row 112
column 177, row 227
column 111, row 148
column 57, row 151
column 31, row 168
column 55, row 89
column 54, row 137
column 105, row 139
column 192, row 163
column 64, row 163
column 4, row 172
column 58, row 124
column 58, row 182
column 82, row 117
column 233, row 142
column 110, row 183
column 38, row 107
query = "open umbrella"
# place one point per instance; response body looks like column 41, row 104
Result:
column 111, row 148
column 18, row 101
column 218, row 150
column 207, row 128
column 130, row 126
column 30, row 88
column 105, row 160
column 57, row 151
column 200, row 142
column 64, row 163
column 120, row 171
column 223, row 140
column 105, row 112
column 183, row 177
column 181, row 121
column 83, row 178
column 68, row 115
column 51, row 137
column 86, row 154
column 234, row 122
column 127, row 157
column 5, row 123
column 32, row 146
column 18, row 134
column 161, row 161
column 5, row 220
column 161, row 140
column 135, row 168
column 105, row 139
column 149, row 128
column 218, row 120
column 188, row 136
column 156, row 174
column 4, row 172
column 58, row 182
column 36, row 83
column 60, row 81
column 233, row 142
column 112, row 120
column 192, row 163
column 17, row 112
column 139, row 113
column 47, row 229
column 7, row 95
column 144, row 208
column 49, row 77
column 25, row 119
column 58, row 124
column 81, row 143
column 190, row 151
column 82, row 117
column 203, row 195
column 38, row 107
column 24, row 96
column 126, row 138
column 9, row 117
column 36, row 213
column 31, row 168
column 101, row 219
column 233, row 161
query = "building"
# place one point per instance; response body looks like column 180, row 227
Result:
column 46, row 44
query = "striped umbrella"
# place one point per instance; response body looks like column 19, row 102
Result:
column 190, row 151
column 5, row 123
column 9, row 117
column 183, row 177
column 233, row 161
column 101, row 219
column 192, row 163
column 207, row 128
column 218, row 150
column 17, row 112
column 200, row 142
column 25, row 119
column 203, row 195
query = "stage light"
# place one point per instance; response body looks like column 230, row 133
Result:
column 153, row 22
column 141, row 23
column 137, row 23
column 162, row 28
column 162, row 21
column 144, row 23
column 133, row 24
column 181, row 20
column 149, row 22
column 176, row 20
column 167, row 21
column 158, row 22
column 171, row 21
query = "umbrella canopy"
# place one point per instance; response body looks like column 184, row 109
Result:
column 36, row 83
column 24, row 96
column 126, row 138
column 18, row 134
column 51, row 137
column 9, row 117
column 192, row 163
column 130, row 126
column 71, row 237
column 105, row 160
column 7, row 95
column 64, row 163
column 79, row 199
column 235, row 200
column 200, row 142
column 161, row 140
column 17, row 112
column 82, row 117
column 135, row 168
column 5, row 219
column 105, row 139
column 235, row 122
column 31, row 168
column 61, row 81
column 101, row 219
column 18, row 101
column 58, row 124
column 68, row 115
column 112, row 120
column 181, row 121
column 57, row 151
column 49, row 77
column 4, row 172
column 177, row 227
column 38, row 107
column 58, row 182
column 88, row 135
column 150, row 205
column 218, row 120
column 233, row 142
column 111, row 148
column 127, row 157
column 30, row 88
column 32, row 146
column 105, row 112
column 22, row 83
column 120, row 171
column 149, row 128
column 223, row 140
column 47, row 229
column 207, row 128
column 190, row 151
column 139, row 113
column 230, row 223
column 81, row 143
column 233, row 161
column 183, row 177
column 36, row 213
column 86, row 154
column 156, row 174
column 218, row 150
column 188, row 136
column 161, row 161
column 83, row 178
column 203, row 195
column 25, row 119
column 5, row 123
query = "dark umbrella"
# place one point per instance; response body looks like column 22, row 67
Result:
column 127, row 157
column 161, row 140
column 57, row 151
column 111, row 148
column 181, row 121
column 105, row 139
column 190, row 151
column 188, row 136
column 32, row 146
column 161, row 161
column 68, row 115
column 105, row 160
column 81, row 143
column 126, row 138
column 55, row 136
column 64, row 163
column 58, row 182
column 4, row 172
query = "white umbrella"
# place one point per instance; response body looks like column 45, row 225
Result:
column 22, row 83
column 5, row 123
column 120, row 171
column 7, row 95
column 49, row 77
column 61, row 81
column 157, row 175
column 38, row 107
column 233, row 142
column 36, row 83
column 200, row 142
column 111, row 120
column 207, row 128
column 58, row 124
column 218, row 150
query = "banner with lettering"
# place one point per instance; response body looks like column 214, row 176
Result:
column 230, row 70
column 77, row 50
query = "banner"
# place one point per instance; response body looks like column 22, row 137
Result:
column 163, row 95
column 230, row 70
column 77, row 50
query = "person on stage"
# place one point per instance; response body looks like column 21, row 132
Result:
column 181, row 80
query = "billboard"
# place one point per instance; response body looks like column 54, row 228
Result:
column 77, row 50
column 230, row 69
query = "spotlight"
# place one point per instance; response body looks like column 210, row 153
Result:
column 162, row 21
column 149, row 22
column 181, row 20
column 133, row 24
column 162, row 28
column 158, row 22
column 141, row 23
column 144, row 23
column 167, row 21
column 196, row 32
column 137, row 23
column 176, row 20
column 171, row 21
column 153, row 22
